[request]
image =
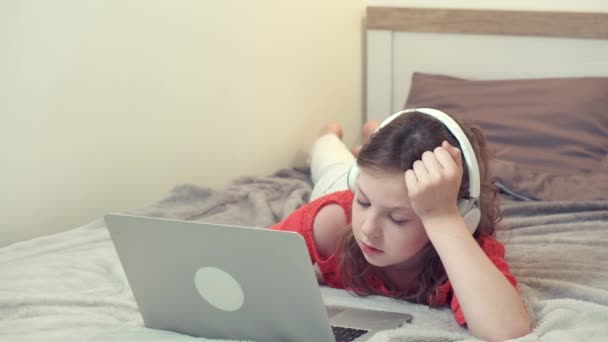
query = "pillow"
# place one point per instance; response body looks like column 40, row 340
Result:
column 527, row 184
column 554, row 127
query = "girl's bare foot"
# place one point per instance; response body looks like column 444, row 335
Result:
column 367, row 130
column 355, row 150
column 333, row 128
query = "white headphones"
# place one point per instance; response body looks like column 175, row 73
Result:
column 468, row 208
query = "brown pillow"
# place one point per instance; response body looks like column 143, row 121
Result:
column 527, row 184
column 557, row 128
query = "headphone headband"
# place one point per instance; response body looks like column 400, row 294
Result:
column 469, row 208
column 465, row 146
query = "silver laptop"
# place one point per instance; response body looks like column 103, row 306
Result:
column 227, row 282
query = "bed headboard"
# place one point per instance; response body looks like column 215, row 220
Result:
column 476, row 44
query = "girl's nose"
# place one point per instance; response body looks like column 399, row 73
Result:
column 370, row 226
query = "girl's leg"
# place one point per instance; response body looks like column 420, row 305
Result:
column 330, row 161
column 367, row 130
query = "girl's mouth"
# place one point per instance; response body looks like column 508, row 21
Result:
column 369, row 250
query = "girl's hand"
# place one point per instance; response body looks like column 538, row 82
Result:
column 434, row 181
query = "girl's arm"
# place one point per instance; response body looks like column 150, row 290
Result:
column 318, row 274
column 492, row 307
column 321, row 223
column 328, row 225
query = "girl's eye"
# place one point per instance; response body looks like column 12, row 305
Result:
column 363, row 204
column 398, row 222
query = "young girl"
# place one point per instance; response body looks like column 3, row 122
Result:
column 398, row 231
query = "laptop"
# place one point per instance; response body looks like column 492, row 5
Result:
column 229, row 282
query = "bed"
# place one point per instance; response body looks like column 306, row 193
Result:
column 71, row 286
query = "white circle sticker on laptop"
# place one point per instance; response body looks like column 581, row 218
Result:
column 219, row 288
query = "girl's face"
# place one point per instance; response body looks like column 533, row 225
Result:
column 384, row 225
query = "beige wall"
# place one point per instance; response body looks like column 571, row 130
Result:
column 106, row 104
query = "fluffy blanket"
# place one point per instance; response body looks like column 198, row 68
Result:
column 71, row 286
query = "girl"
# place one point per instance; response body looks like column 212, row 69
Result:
column 398, row 231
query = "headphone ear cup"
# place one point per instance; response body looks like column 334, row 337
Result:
column 472, row 219
column 471, row 214
column 351, row 178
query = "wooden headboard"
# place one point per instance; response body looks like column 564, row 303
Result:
column 476, row 44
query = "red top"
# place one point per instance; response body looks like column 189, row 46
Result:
column 301, row 221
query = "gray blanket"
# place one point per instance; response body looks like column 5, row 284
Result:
column 70, row 286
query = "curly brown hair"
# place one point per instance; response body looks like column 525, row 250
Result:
column 395, row 148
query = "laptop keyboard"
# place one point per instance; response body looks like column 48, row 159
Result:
column 343, row 334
